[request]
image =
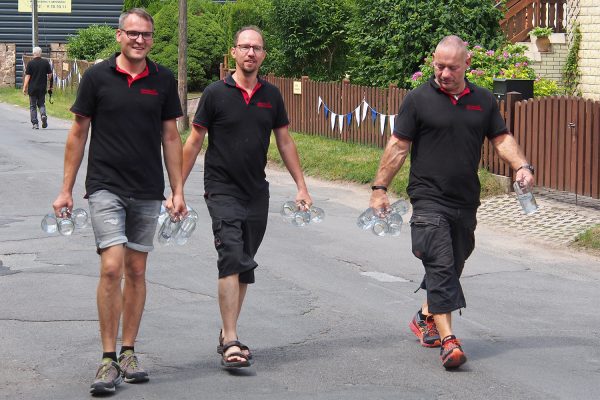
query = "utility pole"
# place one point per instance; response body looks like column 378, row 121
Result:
column 34, row 23
column 182, row 64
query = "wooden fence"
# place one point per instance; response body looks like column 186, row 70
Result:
column 559, row 135
column 523, row 15
column 67, row 73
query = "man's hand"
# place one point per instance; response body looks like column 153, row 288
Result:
column 63, row 201
column 303, row 200
column 379, row 200
column 525, row 177
column 177, row 207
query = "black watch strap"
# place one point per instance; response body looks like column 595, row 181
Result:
column 528, row 166
column 379, row 187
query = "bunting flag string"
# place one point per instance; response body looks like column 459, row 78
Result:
column 360, row 113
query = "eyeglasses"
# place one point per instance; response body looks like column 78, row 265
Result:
column 245, row 48
column 133, row 35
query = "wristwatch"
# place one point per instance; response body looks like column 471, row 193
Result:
column 529, row 167
column 379, row 187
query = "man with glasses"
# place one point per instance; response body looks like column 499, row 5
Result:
column 131, row 104
column 239, row 114
column 443, row 123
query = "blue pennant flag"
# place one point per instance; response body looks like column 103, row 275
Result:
column 325, row 111
column 348, row 119
column 373, row 115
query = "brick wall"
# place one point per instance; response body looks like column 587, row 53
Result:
column 7, row 65
column 589, row 53
column 550, row 65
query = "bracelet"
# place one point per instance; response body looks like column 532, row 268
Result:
column 379, row 187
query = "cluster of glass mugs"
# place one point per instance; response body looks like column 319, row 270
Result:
column 176, row 231
column 525, row 197
column 384, row 222
column 300, row 216
column 66, row 223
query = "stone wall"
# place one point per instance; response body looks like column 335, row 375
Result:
column 589, row 52
column 7, row 65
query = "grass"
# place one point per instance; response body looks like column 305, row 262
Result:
column 320, row 157
column 60, row 109
column 589, row 239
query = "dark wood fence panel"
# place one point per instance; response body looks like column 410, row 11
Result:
column 561, row 137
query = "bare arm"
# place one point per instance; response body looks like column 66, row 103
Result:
column 392, row 160
column 289, row 155
column 172, row 153
column 191, row 149
column 74, row 151
column 26, row 83
column 508, row 149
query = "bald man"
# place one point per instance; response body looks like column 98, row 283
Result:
column 443, row 124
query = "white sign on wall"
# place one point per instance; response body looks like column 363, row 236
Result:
column 46, row 6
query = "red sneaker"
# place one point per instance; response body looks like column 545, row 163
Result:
column 425, row 330
column 451, row 354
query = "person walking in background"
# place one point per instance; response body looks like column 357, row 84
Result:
column 132, row 105
column 445, row 121
column 239, row 114
column 38, row 76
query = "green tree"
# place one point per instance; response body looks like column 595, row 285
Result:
column 206, row 44
column 309, row 38
column 89, row 42
column 391, row 38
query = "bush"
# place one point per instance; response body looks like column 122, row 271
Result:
column 390, row 38
column 206, row 41
column 309, row 38
column 90, row 41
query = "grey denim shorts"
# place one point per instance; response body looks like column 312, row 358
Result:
column 123, row 220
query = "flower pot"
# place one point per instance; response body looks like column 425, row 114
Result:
column 543, row 44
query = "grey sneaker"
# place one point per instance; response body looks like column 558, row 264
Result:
column 132, row 372
column 35, row 126
column 108, row 377
column 44, row 121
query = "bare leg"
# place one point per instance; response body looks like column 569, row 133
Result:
column 231, row 296
column 134, row 294
column 108, row 295
column 444, row 324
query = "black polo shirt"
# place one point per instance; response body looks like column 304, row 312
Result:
column 38, row 70
column 127, row 115
column 447, row 135
column 239, row 130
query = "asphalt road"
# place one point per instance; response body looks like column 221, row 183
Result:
column 327, row 319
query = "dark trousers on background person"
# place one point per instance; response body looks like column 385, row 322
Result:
column 37, row 101
column 442, row 238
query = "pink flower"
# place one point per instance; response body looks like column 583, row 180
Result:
column 517, row 65
column 505, row 54
column 477, row 47
column 417, row 75
column 525, row 63
column 490, row 52
column 466, row 43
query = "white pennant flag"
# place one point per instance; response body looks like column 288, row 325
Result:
column 357, row 115
column 319, row 105
column 392, row 122
column 341, row 122
column 333, row 118
column 382, row 123
column 364, row 111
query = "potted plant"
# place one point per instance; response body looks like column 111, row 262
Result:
column 542, row 40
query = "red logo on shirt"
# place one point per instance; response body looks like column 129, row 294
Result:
column 473, row 108
column 153, row 92
column 264, row 105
